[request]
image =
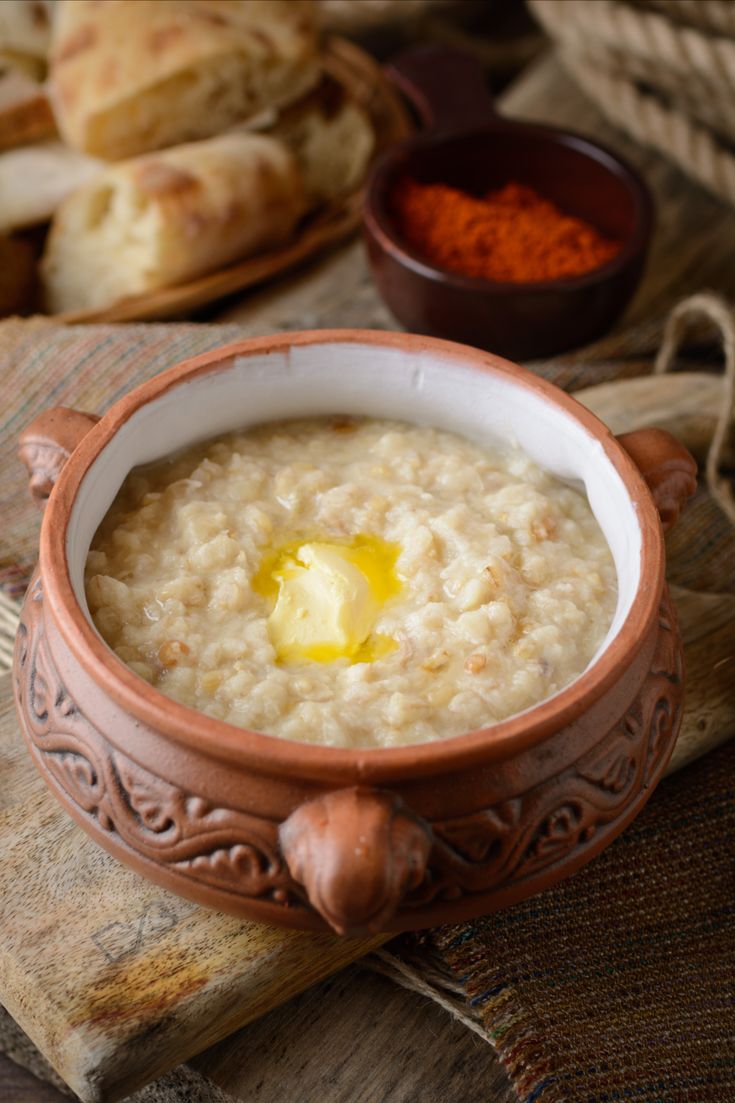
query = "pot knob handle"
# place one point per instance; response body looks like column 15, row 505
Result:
column 669, row 469
column 357, row 852
column 46, row 444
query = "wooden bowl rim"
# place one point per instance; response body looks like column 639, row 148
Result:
column 377, row 222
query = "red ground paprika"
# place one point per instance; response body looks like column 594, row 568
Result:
column 512, row 234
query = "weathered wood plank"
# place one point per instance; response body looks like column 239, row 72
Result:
column 114, row 979
column 17, row 1085
column 357, row 1038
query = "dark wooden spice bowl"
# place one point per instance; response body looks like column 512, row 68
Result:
column 468, row 146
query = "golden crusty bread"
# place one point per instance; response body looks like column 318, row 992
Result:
column 129, row 76
column 332, row 138
column 164, row 218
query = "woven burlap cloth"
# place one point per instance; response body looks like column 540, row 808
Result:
column 617, row 984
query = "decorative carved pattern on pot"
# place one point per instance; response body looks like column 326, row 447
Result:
column 516, row 839
column 550, row 824
column 222, row 847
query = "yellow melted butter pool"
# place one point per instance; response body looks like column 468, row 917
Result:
column 326, row 596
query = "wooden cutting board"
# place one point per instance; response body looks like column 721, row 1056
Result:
column 112, row 978
column 116, row 980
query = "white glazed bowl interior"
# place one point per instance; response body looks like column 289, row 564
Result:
column 427, row 387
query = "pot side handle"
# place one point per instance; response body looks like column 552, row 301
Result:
column 46, row 444
column 357, row 852
column 669, row 469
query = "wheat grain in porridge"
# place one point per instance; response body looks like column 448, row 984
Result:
column 351, row 582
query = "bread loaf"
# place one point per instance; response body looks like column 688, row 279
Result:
column 332, row 138
column 165, row 218
column 128, row 76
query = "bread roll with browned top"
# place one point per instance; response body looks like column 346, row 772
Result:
column 165, row 218
column 129, row 76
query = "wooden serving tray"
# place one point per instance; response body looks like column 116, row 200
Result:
column 366, row 83
column 116, row 980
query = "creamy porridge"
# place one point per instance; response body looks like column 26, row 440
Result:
column 351, row 582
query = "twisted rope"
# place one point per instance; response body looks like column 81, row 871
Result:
column 634, row 36
column 708, row 15
column 678, row 325
column 670, row 85
column 428, row 982
column 692, row 147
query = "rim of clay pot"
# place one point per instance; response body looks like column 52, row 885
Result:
column 265, row 753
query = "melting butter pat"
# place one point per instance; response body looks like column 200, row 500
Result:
column 328, row 597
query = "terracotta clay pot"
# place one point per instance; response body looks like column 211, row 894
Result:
column 320, row 837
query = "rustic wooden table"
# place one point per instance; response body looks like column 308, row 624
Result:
column 357, row 1037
